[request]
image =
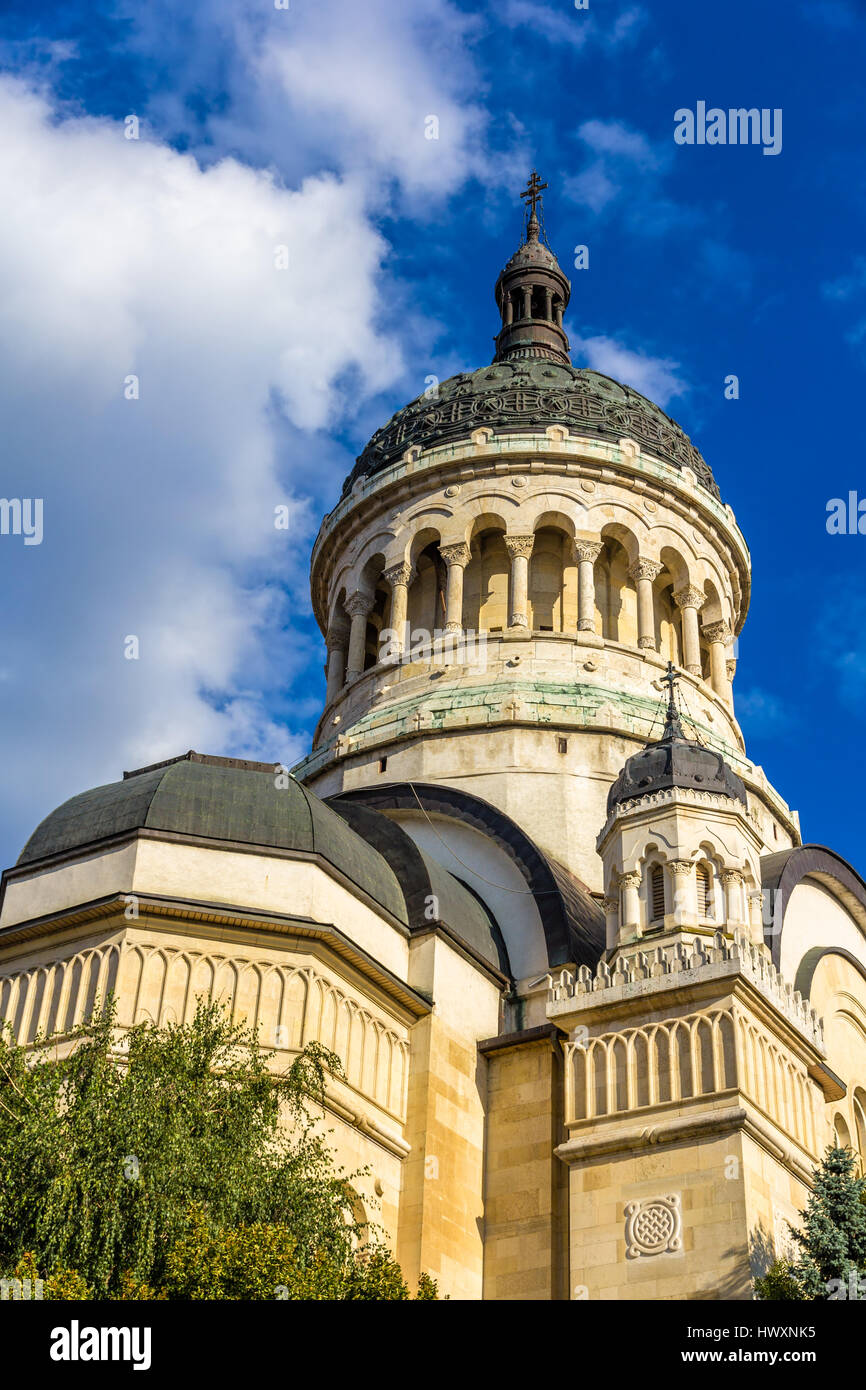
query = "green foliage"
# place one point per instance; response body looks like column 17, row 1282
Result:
column 779, row 1284
column 170, row 1162
column 832, row 1240
column 260, row 1262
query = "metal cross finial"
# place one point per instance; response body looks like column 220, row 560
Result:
column 532, row 191
column 670, row 679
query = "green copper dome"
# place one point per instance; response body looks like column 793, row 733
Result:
column 528, row 395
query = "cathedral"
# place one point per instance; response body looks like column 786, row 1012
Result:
column 600, row 1010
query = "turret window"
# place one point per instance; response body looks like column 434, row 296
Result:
column 705, row 891
column 657, row 893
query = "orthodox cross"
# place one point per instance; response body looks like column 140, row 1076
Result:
column 532, row 191
column 670, row 679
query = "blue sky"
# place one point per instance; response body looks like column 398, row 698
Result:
column 305, row 128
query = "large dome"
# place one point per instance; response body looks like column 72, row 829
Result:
column 528, row 395
column 238, row 803
column 215, row 799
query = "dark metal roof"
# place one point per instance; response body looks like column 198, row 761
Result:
column 218, row 799
column 675, row 761
column 516, row 396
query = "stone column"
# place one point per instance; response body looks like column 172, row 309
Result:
column 719, row 636
column 337, row 639
column 756, row 916
column 358, row 607
column 508, row 310
column 520, row 549
column 690, row 601
column 398, row 578
column 685, row 892
column 629, row 884
column 526, row 311
column 735, row 905
column 548, row 305
column 611, row 921
column 456, row 557
column 586, row 553
column 557, row 309
column 644, row 573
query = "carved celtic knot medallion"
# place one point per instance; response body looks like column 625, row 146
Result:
column 653, row 1226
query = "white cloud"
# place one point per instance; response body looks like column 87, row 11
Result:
column 122, row 257
column 654, row 377
column 342, row 86
column 570, row 26
column 616, row 138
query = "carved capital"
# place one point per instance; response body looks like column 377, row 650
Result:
column 610, row 905
column 587, row 551
column 358, row 604
column 717, row 632
column 730, row 669
column 731, row 877
column 690, row 597
column 458, row 554
column 629, row 880
column 519, row 546
column 645, row 569
column 399, row 574
column 681, row 867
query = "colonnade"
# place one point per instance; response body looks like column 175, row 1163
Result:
column 628, row 906
column 347, row 634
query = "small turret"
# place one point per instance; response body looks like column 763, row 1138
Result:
column 532, row 295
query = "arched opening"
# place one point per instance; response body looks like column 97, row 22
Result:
column 372, row 582
column 539, row 303
column 711, row 612
column 656, row 896
column 615, row 595
column 705, row 890
column 485, row 583
column 841, row 1132
column 546, row 608
column 663, row 1064
column 683, row 1046
column 859, row 1104
column 426, row 602
column 375, row 624
column 641, row 1070
column 706, row 1078
column 668, row 622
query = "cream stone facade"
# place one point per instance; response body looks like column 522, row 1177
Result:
column 600, row 1009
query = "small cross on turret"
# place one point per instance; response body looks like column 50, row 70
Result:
column 532, row 191
column 673, row 728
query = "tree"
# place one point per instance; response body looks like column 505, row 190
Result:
column 832, row 1241
column 156, row 1162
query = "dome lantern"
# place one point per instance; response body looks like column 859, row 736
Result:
column 532, row 295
